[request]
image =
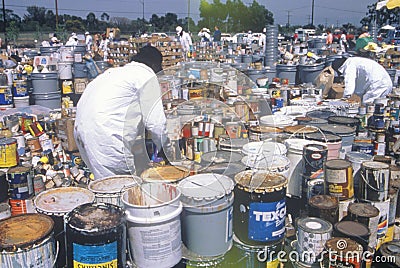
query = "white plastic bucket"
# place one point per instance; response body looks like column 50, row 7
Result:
column 153, row 219
column 66, row 54
column 273, row 163
column 65, row 70
column 21, row 101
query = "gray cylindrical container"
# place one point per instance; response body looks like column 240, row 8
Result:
column 207, row 213
column 80, row 70
column 287, row 72
column 51, row 100
column 308, row 73
column 44, row 82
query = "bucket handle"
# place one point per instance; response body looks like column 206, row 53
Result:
column 57, row 251
column 372, row 187
column 129, row 251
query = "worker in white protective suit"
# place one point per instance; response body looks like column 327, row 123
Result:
column 186, row 42
column 363, row 77
column 115, row 109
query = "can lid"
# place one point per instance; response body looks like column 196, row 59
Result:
column 341, row 245
column 18, row 169
column 390, row 249
column 358, row 157
column 298, row 144
column 7, row 141
column 95, row 218
column 24, row 230
column 207, row 186
column 337, row 164
column 260, row 181
column 344, row 120
column 314, row 225
column 265, row 129
column 338, row 129
column 218, row 157
column 323, row 201
column 363, row 210
column 300, row 129
column 272, row 163
column 165, row 173
column 62, row 200
column 374, row 165
column 323, row 114
column 329, row 138
column 264, row 147
column 114, row 184
column 352, row 228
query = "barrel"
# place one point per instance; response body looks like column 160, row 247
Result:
column 287, row 72
column 153, row 221
column 48, row 51
column 207, row 199
column 96, row 236
column 307, row 73
column 51, row 100
column 259, row 209
column 27, row 241
column 45, row 82
column 255, row 74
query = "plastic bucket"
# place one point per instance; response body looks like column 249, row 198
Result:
column 44, row 82
column 80, row 70
column 65, row 70
column 48, row 51
column 20, row 88
column 207, row 213
column 49, row 100
column 66, row 54
column 287, row 72
column 255, row 74
column 152, row 213
column 308, row 73
column 30, row 53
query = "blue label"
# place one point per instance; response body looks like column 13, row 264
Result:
column 98, row 254
column 267, row 221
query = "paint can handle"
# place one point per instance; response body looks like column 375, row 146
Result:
column 57, row 251
column 372, row 187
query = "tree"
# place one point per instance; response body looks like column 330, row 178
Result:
column 12, row 32
column 105, row 17
column 74, row 26
column 91, row 21
column 383, row 16
column 35, row 14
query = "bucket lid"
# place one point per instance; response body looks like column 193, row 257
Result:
column 374, row 165
column 338, row 129
column 298, row 144
column 292, row 111
column 314, row 225
column 276, row 120
column 272, row 163
column 344, row 120
column 265, row 129
column 62, row 200
column 358, row 157
column 322, row 137
column 264, row 147
column 337, row 164
column 18, row 169
column 341, row 245
column 206, row 187
column 322, row 114
column 260, row 181
column 233, row 143
column 363, row 210
column 300, row 129
column 24, row 230
column 165, row 173
column 352, row 228
column 113, row 184
column 219, row 157
column 323, row 201
column 91, row 217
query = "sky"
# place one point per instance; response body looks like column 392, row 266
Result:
column 297, row 12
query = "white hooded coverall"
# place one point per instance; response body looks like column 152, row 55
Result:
column 366, row 78
column 112, row 112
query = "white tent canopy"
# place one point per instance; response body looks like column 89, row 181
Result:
column 388, row 27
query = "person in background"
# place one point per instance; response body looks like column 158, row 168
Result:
column 205, row 36
column 115, row 108
column 54, row 41
column 329, row 39
column 88, row 41
column 73, row 40
column 249, row 38
column 262, row 42
column 362, row 41
column 103, row 47
column 186, row 42
column 217, row 36
column 343, row 42
column 364, row 78
column 295, row 38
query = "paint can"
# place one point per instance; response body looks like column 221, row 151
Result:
column 390, row 252
column 356, row 231
column 96, row 236
column 243, row 255
column 346, row 133
column 374, row 182
column 368, row 215
column 5, row 211
column 339, row 178
column 312, row 233
column 333, row 142
column 313, row 187
column 207, row 199
column 192, row 260
column 314, row 157
column 57, row 203
column 21, row 206
column 259, row 207
column 261, row 133
column 109, row 189
column 34, row 144
column 8, row 152
column 153, row 215
column 393, row 196
column 343, row 207
column 344, row 120
column 356, row 158
column 325, row 207
column 20, row 182
column 20, row 88
column 295, row 155
column 383, row 221
column 344, row 252
column 266, row 148
column 38, row 184
column 363, row 147
column 273, row 163
column 242, row 110
column 27, row 241
column 166, row 174
column 3, row 186
column 20, row 143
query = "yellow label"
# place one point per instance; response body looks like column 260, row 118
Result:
column 111, row 264
column 389, row 234
column 8, row 155
column 272, row 264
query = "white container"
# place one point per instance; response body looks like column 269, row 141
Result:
column 273, row 163
column 65, row 70
column 153, row 220
column 21, row 102
column 5, row 211
column 264, row 147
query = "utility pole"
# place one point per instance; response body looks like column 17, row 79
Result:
column 56, row 14
column 312, row 13
column 142, row 2
column 326, row 23
column 288, row 18
column 188, row 16
column 5, row 24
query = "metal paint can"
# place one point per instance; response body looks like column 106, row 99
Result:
column 261, row 133
column 8, row 152
column 96, row 236
column 314, row 157
column 356, row 231
column 345, row 253
column 368, row 215
column 343, row 207
column 27, row 241
column 192, row 260
column 345, row 132
column 34, row 144
column 339, row 178
column 363, row 147
column 20, row 182
column 38, row 184
column 356, row 158
column 389, row 251
column 383, row 222
column 273, row 163
column 374, row 182
column 260, row 207
column 21, row 206
column 314, row 187
column 242, row 110
column 3, row 186
column 312, row 233
column 333, row 142
column 325, row 207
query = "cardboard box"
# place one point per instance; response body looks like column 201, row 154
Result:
column 336, row 91
column 65, row 132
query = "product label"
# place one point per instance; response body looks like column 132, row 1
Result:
column 104, row 256
column 267, row 221
column 336, row 175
